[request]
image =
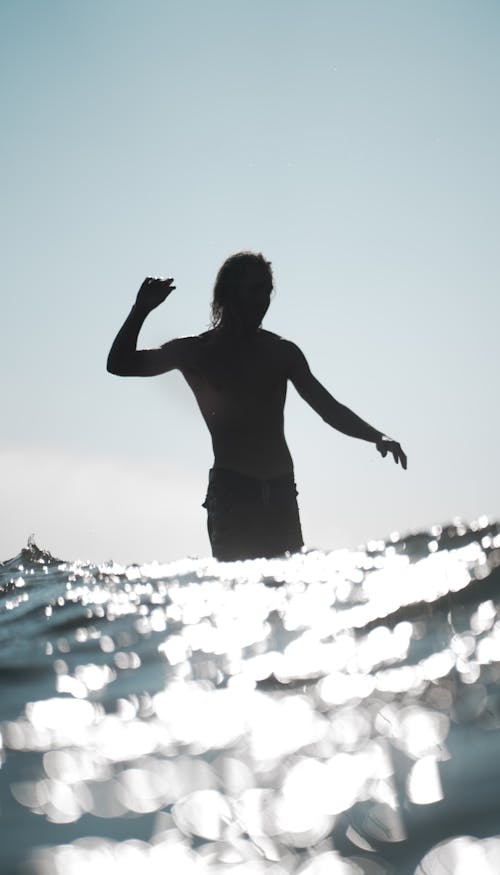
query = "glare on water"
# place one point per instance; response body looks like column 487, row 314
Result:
column 303, row 714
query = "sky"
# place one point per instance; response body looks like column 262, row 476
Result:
column 355, row 144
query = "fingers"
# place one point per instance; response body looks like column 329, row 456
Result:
column 159, row 284
column 399, row 455
column 388, row 446
column 158, row 279
column 167, row 283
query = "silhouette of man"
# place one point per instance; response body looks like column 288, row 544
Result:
column 238, row 373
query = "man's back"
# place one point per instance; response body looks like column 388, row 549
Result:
column 240, row 387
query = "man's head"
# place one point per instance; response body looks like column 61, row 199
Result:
column 242, row 292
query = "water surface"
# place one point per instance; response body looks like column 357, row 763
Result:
column 325, row 714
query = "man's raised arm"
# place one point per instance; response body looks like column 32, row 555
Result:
column 333, row 412
column 124, row 359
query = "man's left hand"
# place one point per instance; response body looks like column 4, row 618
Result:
column 386, row 445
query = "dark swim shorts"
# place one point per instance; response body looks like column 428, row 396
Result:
column 249, row 517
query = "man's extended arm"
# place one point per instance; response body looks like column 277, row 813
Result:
column 124, row 359
column 333, row 412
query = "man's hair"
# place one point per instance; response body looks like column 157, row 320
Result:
column 229, row 278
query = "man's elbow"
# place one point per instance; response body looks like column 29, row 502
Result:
column 114, row 367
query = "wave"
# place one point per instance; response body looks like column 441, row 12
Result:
column 319, row 712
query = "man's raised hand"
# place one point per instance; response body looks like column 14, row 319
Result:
column 153, row 292
column 386, row 445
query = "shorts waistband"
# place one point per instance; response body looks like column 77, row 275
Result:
column 229, row 474
column 264, row 487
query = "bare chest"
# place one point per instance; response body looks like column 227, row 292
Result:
column 229, row 383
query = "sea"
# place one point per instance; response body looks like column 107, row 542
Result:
column 326, row 713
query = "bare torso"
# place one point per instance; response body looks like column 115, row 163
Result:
column 240, row 386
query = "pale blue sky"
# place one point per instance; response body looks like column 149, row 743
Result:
column 356, row 145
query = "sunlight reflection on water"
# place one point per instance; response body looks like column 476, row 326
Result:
column 269, row 716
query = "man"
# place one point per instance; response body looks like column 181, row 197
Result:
column 238, row 373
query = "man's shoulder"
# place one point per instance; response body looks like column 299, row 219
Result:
column 275, row 339
column 182, row 351
column 182, row 343
column 285, row 346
